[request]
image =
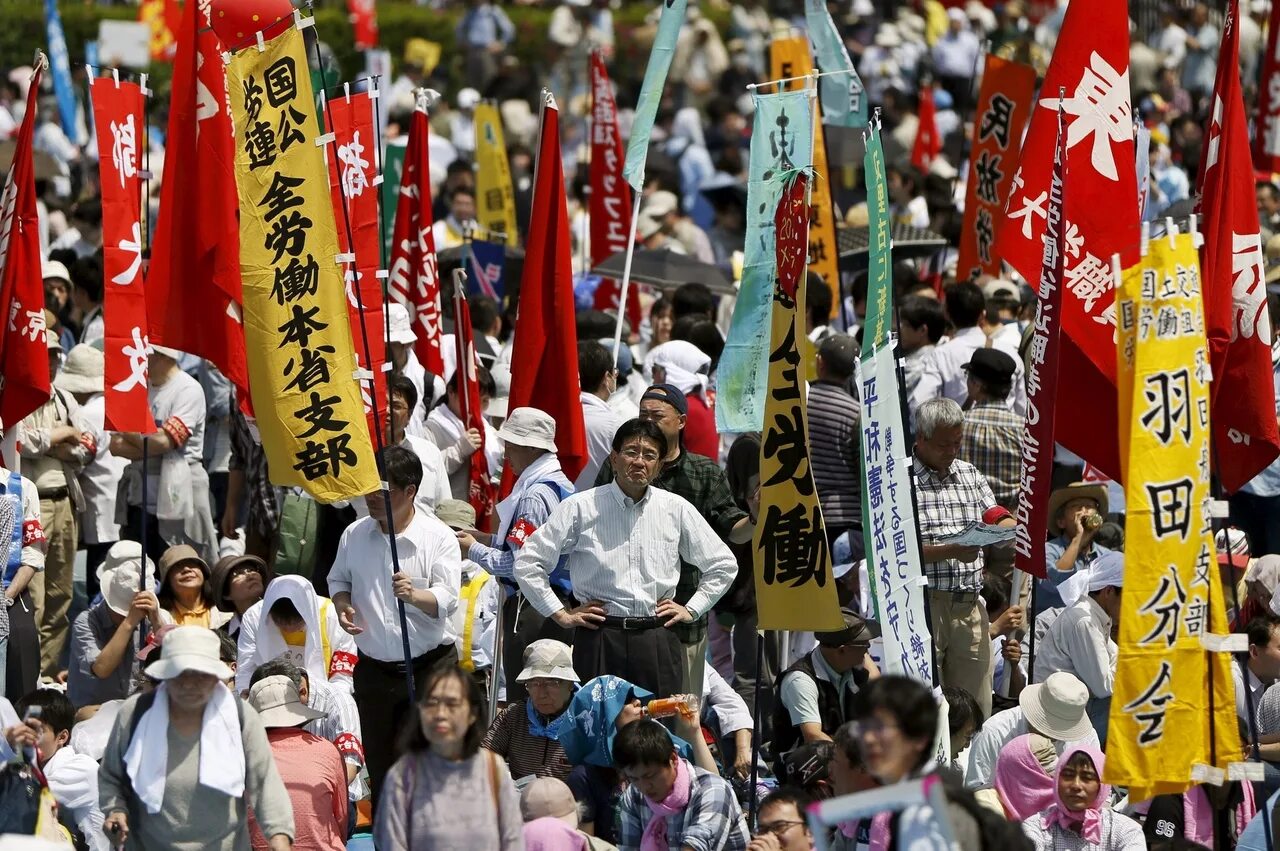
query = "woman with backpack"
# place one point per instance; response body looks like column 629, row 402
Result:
column 186, row 761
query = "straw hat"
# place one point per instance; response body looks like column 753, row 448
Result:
column 1075, row 490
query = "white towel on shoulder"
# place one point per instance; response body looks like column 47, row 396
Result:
column 222, row 764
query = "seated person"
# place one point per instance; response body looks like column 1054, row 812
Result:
column 300, row 624
column 72, row 778
column 103, row 637
column 782, row 825
column 670, row 802
column 525, row 733
column 815, row 694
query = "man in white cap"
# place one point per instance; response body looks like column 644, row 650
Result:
column 104, row 638
column 457, row 441
column 402, row 400
column 82, row 377
column 529, row 438
column 187, row 761
column 175, row 462
column 1054, row 708
column 54, row 451
column 310, row 766
column 20, row 652
column 1079, row 640
column 405, row 361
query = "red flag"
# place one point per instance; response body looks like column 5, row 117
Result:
column 544, row 363
column 164, row 19
column 1242, row 401
column 118, row 115
column 415, row 278
column 24, row 356
column 1100, row 215
column 351, row 174
column 1266, row 135
column 193, row 281
column 364, row 21
column 1042, row 383
column 481, row 495
column 928, row 143
column 610, row 200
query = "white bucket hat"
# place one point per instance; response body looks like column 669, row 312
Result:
column 1056, row 707
column 401, row 328
column 121, row 586
column 529, row 427
column 548, row 659
column 189, row 648
column 122, row 554
column 279, row 704
column 83, row 371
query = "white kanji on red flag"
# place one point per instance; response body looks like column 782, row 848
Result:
column 1100, row 106
column 1248, row 292
column 355, row 177
column 137, row 354
column 134, row 247
column 124, row 149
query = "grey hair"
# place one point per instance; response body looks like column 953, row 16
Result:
column 936, row 414
column 278, row 667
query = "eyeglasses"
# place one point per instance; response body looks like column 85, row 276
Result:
column 452, row 704
column 637, row 455
column 777, row 828
column 873, row 727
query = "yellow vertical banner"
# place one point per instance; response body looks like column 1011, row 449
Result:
column 1172, row 720
column 795, row 588
column 495, row 196
column 790, row 57
column 302, row 367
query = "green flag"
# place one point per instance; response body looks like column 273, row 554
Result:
column 655, row 80
column 880, row 269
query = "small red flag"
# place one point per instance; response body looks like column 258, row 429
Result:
column 193, row 282
column 364, row 22
column 164, row 19
column 415, row 276
column 544, row 363
column 610, row 198
column 1242, row 402
column 118, row 115
column 351, row 174
column 928, row 143
column 24, row 356
column 482, row 494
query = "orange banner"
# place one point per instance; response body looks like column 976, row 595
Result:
column 1004, row 105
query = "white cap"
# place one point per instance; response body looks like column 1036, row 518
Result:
column 401, row 327
column 55, row 269
column 468, row 98
column 529, row 427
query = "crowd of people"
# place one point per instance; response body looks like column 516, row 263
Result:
column 240, row 665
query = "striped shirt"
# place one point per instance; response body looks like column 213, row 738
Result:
column 526, row 754
column 945, row 505
column 625, row 553
column 992, row 442
column 833, row 452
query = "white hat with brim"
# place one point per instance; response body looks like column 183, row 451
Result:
column 548, row 659
column 399, row 326
column 83, row 371
column 278, row 703
column 1056, row 707
column 529, row 427
column 189, row 648
column 122, row 584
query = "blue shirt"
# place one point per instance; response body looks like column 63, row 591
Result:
column 1047, row 595
column 485, row 25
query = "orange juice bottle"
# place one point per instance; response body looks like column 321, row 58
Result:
column 663, row 707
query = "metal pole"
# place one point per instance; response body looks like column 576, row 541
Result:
column 756, row 732
column 626, row 279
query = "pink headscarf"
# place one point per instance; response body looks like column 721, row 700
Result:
column 552, row 834
column 1023, row 784
column 1089, row 822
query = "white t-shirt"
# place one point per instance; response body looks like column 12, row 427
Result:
column 179, row 408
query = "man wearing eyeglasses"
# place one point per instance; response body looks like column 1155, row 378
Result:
column 625, row 542
column 781, row 825
column 815, row 694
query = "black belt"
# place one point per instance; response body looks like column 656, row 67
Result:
column 399, row 667
column 631, row 624
column 55, row 494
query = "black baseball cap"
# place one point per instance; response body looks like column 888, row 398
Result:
column 668, row 393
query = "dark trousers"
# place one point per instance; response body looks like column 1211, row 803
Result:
column 385, row 708
column 522, row 625
column 1259, row 518
column 94, row 555
column 22, row 668
column 154, row 544
column 649, row 658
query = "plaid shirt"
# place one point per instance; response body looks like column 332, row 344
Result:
column 712, row 820
column 945, row 505
column 702, row 482
column 993, row 443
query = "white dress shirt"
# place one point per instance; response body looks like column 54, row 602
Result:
column 1079, row 642
column 100, row 479
column 435, row 479
column 943, row 373
column 428, row 552
column 1256, row 686
column 999, row 730
column 730, row 709
column 602, row 422
column 625, row 553
column 450, row 435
